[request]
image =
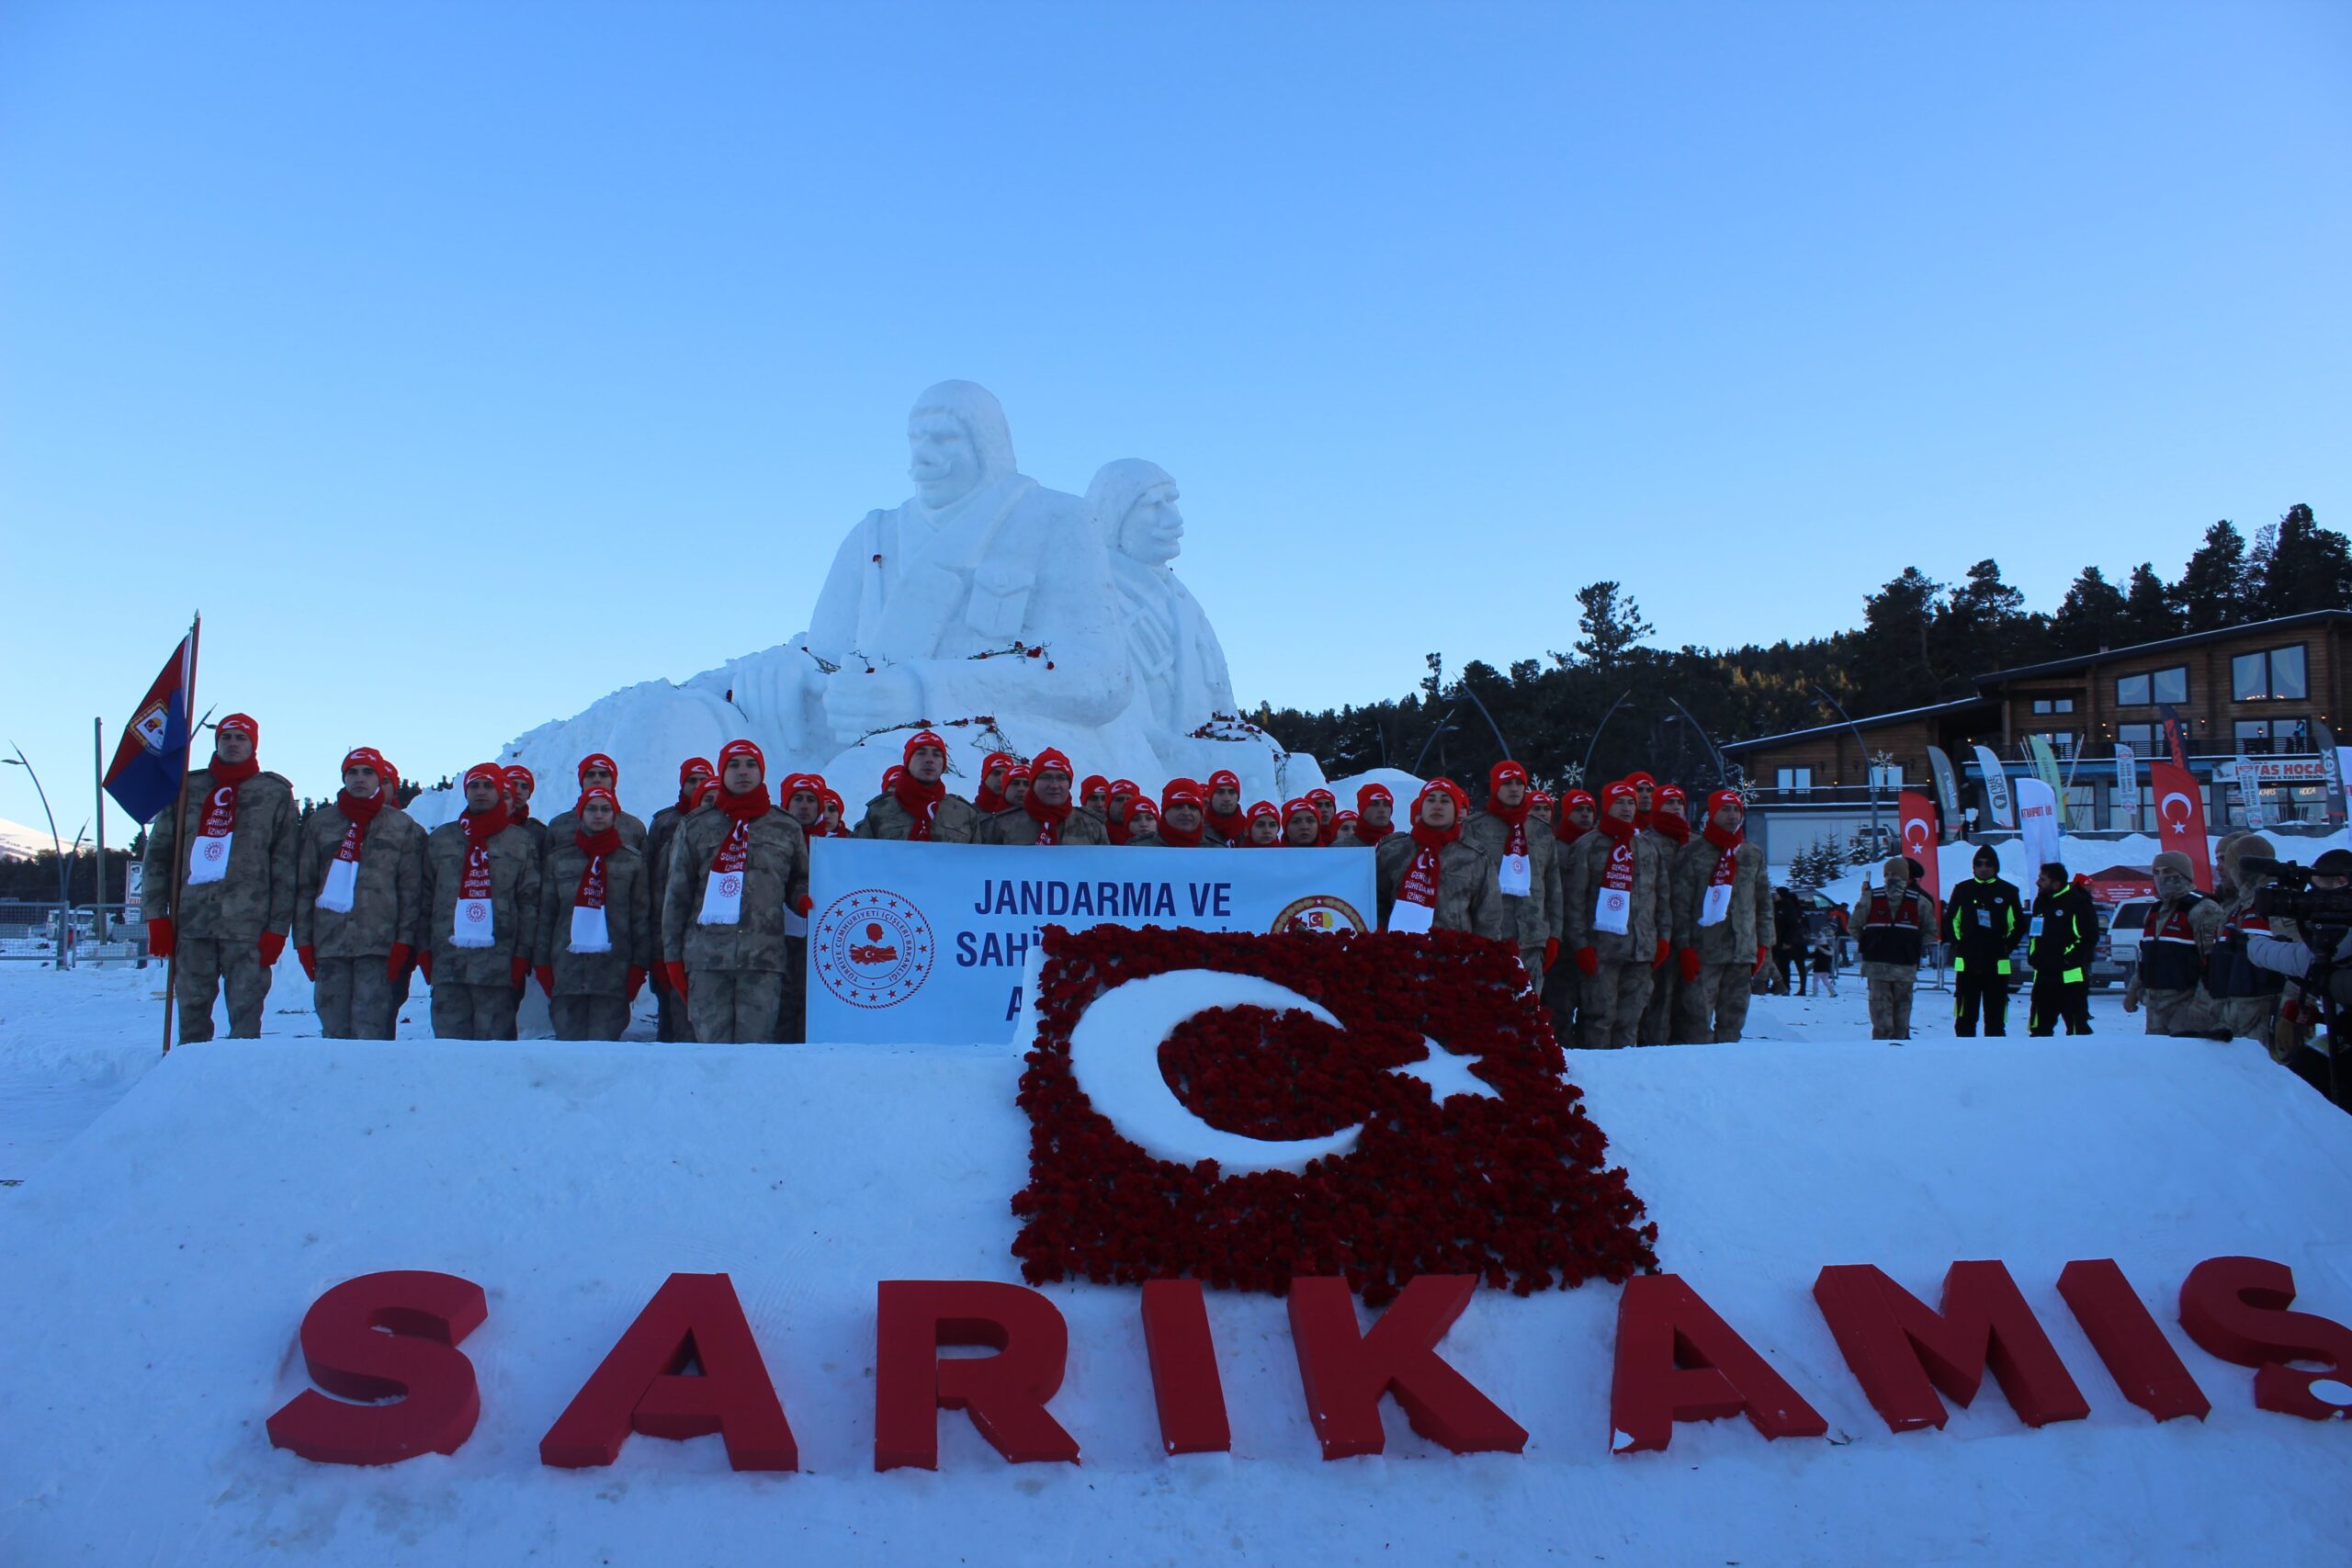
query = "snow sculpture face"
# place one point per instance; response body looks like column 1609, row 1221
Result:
column 1153, row 532
column 942, row 461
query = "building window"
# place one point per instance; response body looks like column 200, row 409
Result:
column 2275, row 674
column 2141, row 737
column 2053, row 704
column 2257, row 736
column 1888, row 777
column 2063, row 745
column 2154, row 686
column 1795, row 781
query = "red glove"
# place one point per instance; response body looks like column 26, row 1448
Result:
column 636, row 981
column 425, row 965
column 1587, row 961
column 1657, row 959
column 677, row 973
column 1689, row 961
column 273, row 948
column 159, row 936
column 310, row 957
column 518, row 969
column 803, row 904
column 2291, row 1009
column 396, row 962
column 1763, row 956
column 546, row 972
column 1551, row 953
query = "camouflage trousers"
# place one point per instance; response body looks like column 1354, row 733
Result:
column 1713, row 1009
column 2247, row 1018
column 2188, row 1013
column 353, row 1000
column 670, row 1021
column 588, row 1018
column 1613, row 999
column 204, row 968
column 1891, row 1009
column 474, row 1012
column 735, row 1006
column 1658, row 1013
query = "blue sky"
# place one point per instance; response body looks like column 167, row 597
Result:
column 463, row 363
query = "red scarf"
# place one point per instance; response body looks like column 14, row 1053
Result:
column 1723, row 840
column 1049, row 818
column 1421, row 877
column 1325, row 833
column 220, row 817
column 1512, row 817
column 481, row 827
column 989, row 798
column 590, row 894
column 1727, row 862
column 919, row 800
column 520, row 811
column 1368, row 836
column 1622, row 832
column 1673, row 827
column 689, row 797
column 1566, row 832
column 1171, row 834
column 1233, row 827
column 735, row 850
column 359, row 814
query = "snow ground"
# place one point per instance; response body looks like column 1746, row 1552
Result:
column 161, row 1261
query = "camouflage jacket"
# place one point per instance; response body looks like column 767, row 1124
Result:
column 953, row 821
column 387, row 900
column 1648, row 923
column 628, row 920
column 560, row 828
column 257, row 895
column 660, row 834
column 775, row 873
column 1531, row 919
column 1466, row 899
column 1745, row 926
column 513, row 904
column 1017, row 827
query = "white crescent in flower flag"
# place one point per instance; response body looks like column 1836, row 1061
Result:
column 2180, row 817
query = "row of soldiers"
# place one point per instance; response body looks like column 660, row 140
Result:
column 708, row 902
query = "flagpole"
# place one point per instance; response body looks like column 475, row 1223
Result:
column 98, row 774
column 179, row 835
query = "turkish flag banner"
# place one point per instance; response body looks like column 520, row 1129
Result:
column 2180, row 819
column 1919, row 834
column 1244, row 1109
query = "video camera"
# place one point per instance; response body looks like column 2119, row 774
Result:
column 2289, row 893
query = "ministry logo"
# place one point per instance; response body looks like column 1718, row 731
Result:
column 871, row 948
column 1243, row 1109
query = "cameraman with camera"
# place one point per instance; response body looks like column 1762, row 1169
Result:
column 2319, row 902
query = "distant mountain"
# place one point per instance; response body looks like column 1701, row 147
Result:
column 20, row 842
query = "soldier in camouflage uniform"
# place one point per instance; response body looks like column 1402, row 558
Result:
column 735, row 868
column 1526, row 861
column 1265, row 825
column 1671, row 827
column 597, row 771
column 521, row 784
column 236, row 901
column 1564, row 986
column 595, row 935
column 804, row 802
column 1723, row 924
column 2182, row 929
column 1433, row 878
column 1183, row 817
column 1049, row 817
column 1143, row 823
column 482, row 869
column 1891, row 926
column 1619, row 915
column 1302, row 830
column 916, row 806
column 670, row 1021
column 358, row 896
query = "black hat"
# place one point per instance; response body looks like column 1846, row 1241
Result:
column 2335, row 863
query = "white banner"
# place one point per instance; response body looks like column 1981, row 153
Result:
column 1997, row 788
column 2248, row 779
column 924, row 943
column 2038, row 823
column 2125, row 808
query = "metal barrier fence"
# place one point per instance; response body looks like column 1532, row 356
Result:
column 29, row 933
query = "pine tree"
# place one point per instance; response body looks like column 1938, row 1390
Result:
column 1984, row 626
column 1610, row 628
column 2090, row 617
column 2149, row 612
column 1899, row 672
column 2299, row 566
column 2211, row 593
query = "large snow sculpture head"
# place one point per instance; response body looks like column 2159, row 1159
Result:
column 957, row 440
column 1132, row 504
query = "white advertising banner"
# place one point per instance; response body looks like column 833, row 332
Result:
column 924, row 943
column 1997, row 788
column 2037, row 822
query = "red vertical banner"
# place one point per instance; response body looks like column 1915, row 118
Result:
column 2180, row 819
column 1918, row 836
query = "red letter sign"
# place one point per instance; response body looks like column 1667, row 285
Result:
column 1185, row 1382
column 2126, row 1336
column 643, row 1386
column 1006, row 1392
column 1677, row 1361
column 2235, row 1309
column 1901, row 1352
column 1345, row 1374
column 417, row 1362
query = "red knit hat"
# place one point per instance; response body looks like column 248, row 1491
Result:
column 365, row 756
column 1502, row 771
column 1019, row 771
column 1124, row 787
column 1636, row 780
column 1322, row 796
column 518, row 773
column 244, row 724
column 1446, row 787
column 1049, row 760
column 734, row 748
column 1225, row 778
column 1367, row 794
column 489, row 771
column 1140, row 809
column 1721, row 798
column 918, row 741
column 597, row 792
column 795, row 783
column 891, row 777
column 832, row 797
column 1292, row 808
column 1539, row 796
column 1092, row 782
column 1621, row 788
column 988, row 763
column 1344, row 821
column 1671, row 793
column 598, row 759
column 693, row 765
column 1267, row 810
column 1577, row 798
column 1184, row 790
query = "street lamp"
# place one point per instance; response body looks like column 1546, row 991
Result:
column 64, row 893
column 1861, row 750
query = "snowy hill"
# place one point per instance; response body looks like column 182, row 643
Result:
column 20, row 842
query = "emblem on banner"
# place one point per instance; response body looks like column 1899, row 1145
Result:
column 152, row 724
column 871, row 948
column 1320, row 913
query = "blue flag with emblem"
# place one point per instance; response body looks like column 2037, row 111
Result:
column 152, row 757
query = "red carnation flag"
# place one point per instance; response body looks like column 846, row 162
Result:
column 2180, row 819
column 1919, row 839
column 1243, row 1109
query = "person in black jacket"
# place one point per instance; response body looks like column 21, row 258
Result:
column 1984, row 920
column 2059, row 946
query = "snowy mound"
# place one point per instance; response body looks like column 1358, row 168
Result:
column 162, row 1263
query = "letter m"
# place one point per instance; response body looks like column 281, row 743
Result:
column 1902, row 1352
